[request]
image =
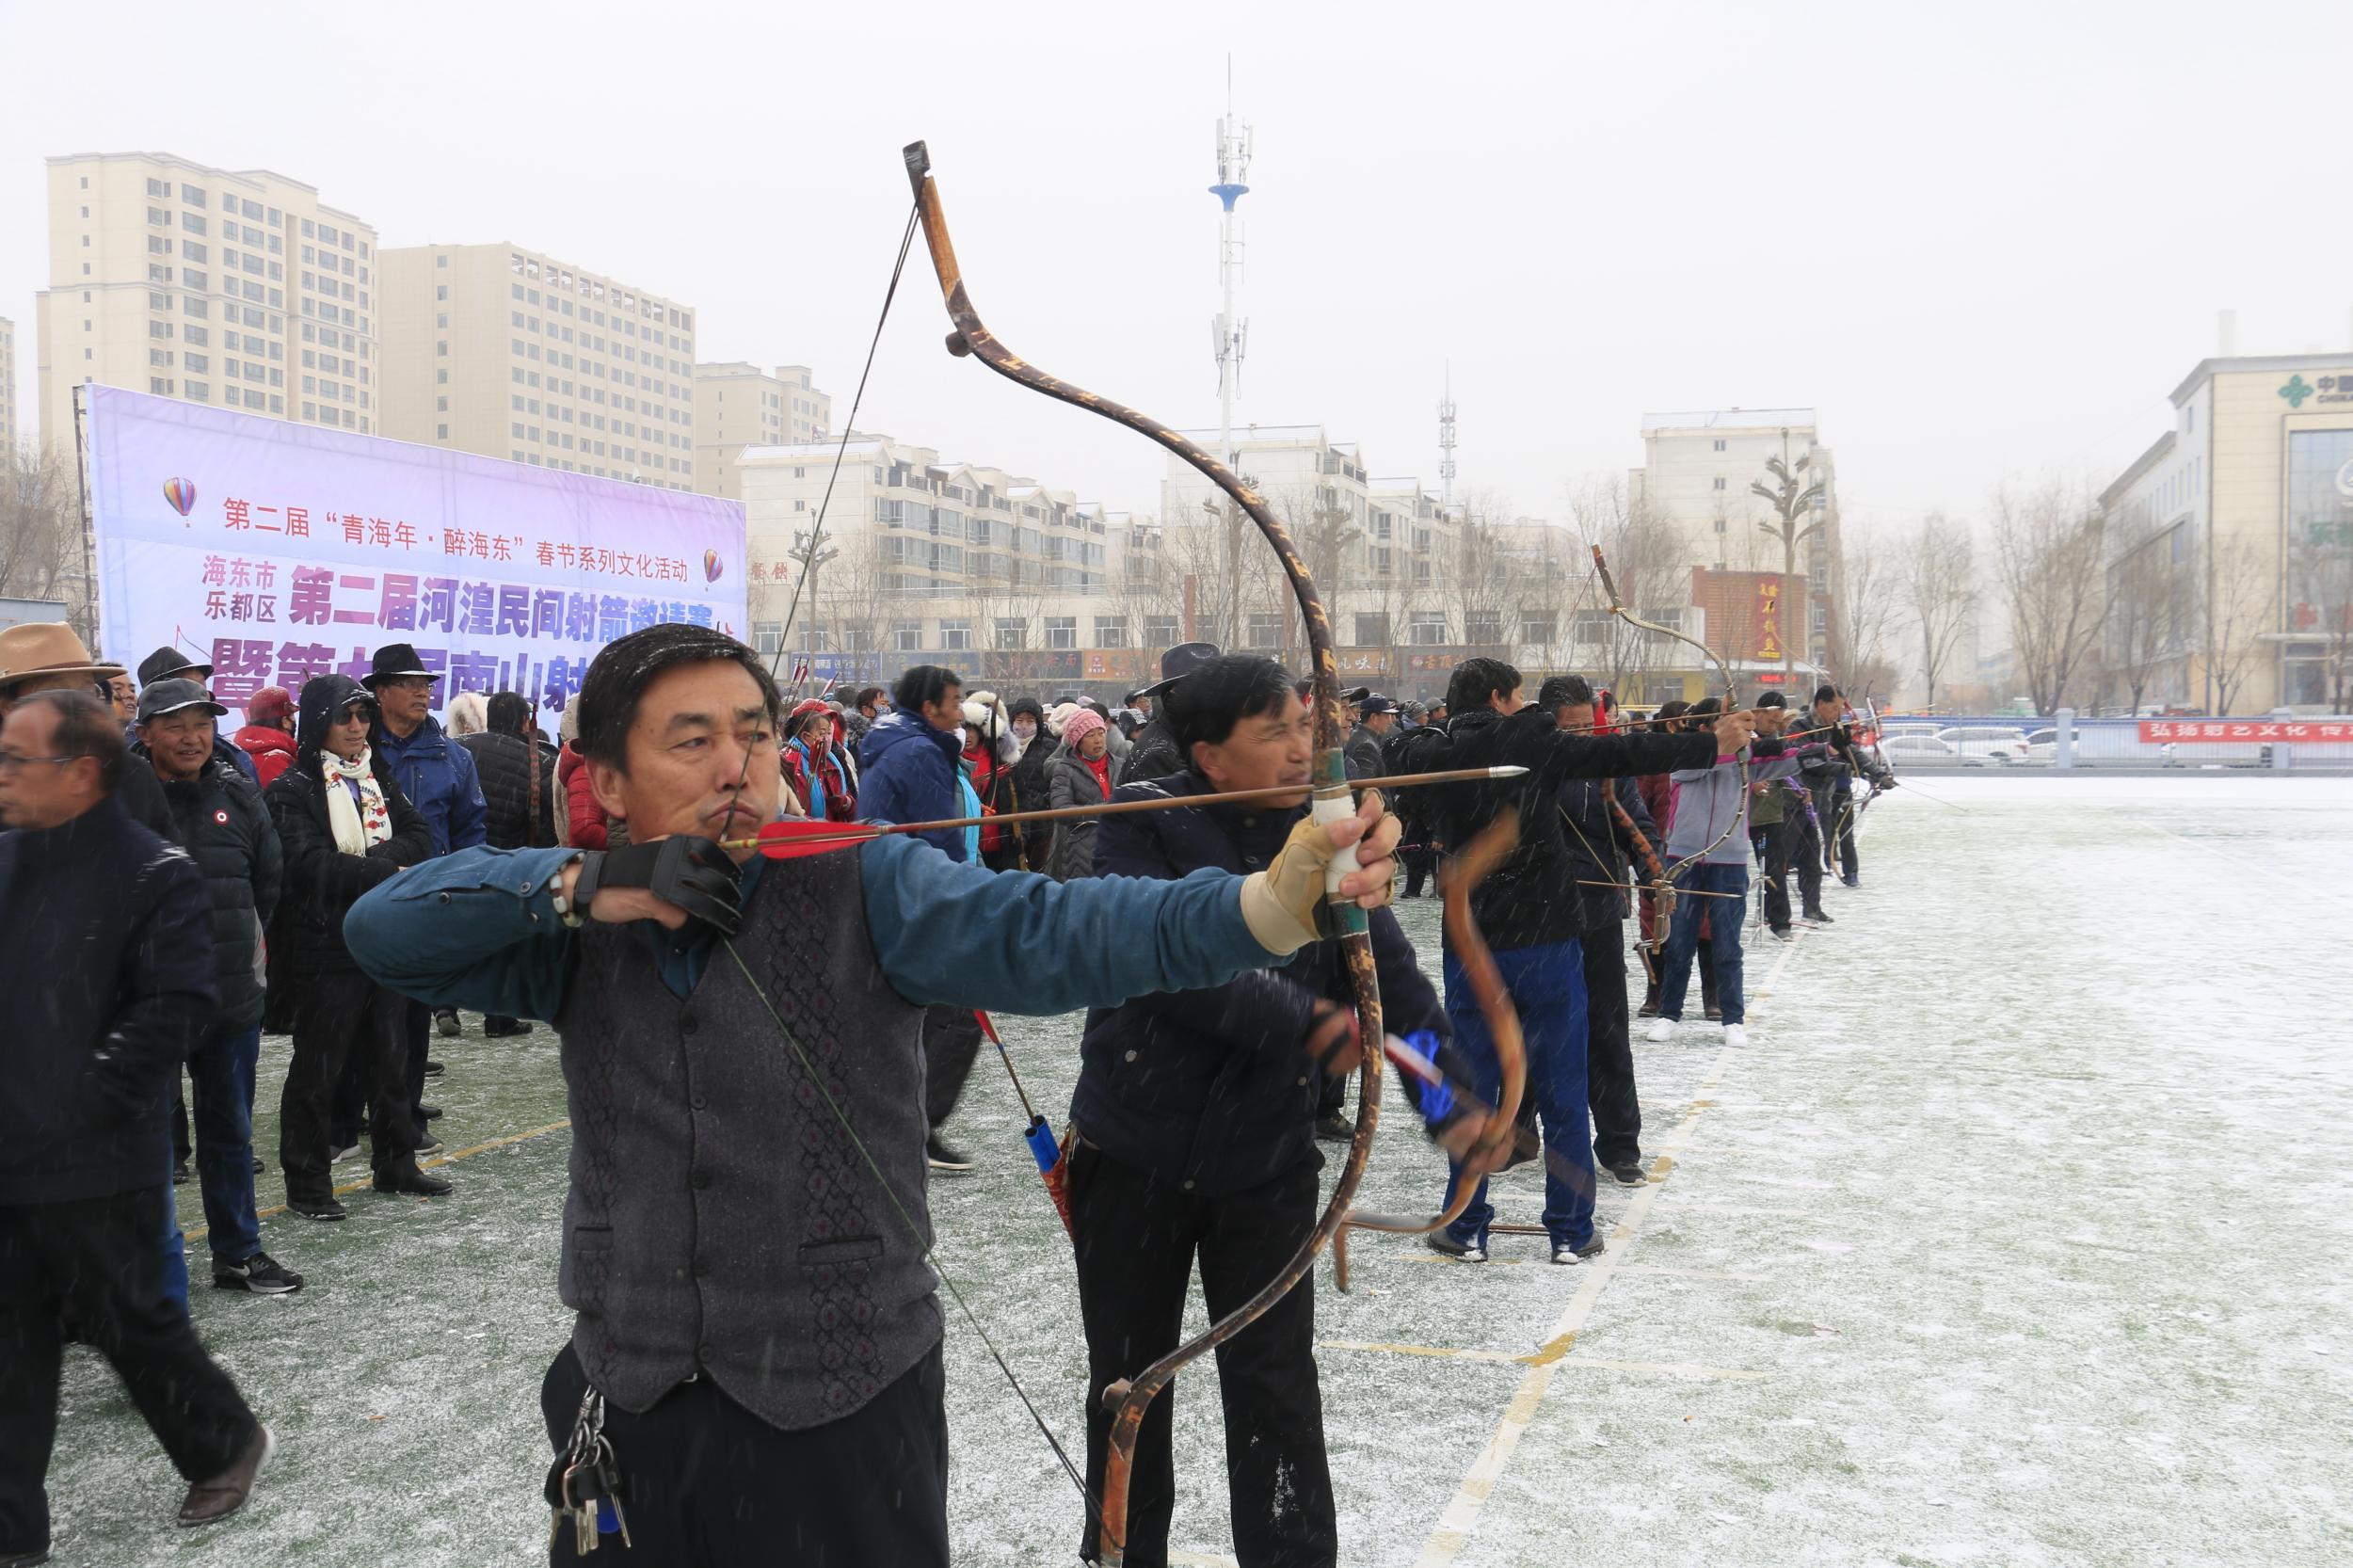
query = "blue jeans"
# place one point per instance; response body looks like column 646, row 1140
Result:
column 221, row 1110
column 1726, row 917
column 1547, row 987
column 172, row 1244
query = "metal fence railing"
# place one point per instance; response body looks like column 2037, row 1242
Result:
column 2279, row 742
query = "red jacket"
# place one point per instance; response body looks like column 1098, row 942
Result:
column 840, row 805
column 582, row 814
column 270, row 748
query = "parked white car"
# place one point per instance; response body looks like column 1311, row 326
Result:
column 2043, row 747
column 1986, row 744
column 1918, row 750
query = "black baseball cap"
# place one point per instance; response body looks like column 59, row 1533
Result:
column 1376, row 703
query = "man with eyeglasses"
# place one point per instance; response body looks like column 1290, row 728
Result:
column 101, row 999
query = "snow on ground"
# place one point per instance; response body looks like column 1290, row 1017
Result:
column 2018, row 1235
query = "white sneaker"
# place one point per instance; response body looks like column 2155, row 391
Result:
column 1736, row 1036
column 1660, row 1030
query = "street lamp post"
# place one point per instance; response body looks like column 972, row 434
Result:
column 1789, row 495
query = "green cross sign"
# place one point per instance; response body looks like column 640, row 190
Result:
column 2296, row 392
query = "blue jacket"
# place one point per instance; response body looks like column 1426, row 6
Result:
column 907, row 773
column 436, row 776
column 105, row 986
column 1211, row 1086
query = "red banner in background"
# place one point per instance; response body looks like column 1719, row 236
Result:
column 2325, row 732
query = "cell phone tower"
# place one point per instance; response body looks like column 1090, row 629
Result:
column 1445, row 443
column 1230, row 334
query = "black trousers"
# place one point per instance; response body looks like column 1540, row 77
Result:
column 952, row 1043
column 94, row 1262
column 1418, row 862
column 1609, row 1048
column 1803, row 852
column 1137, row 1236
column 1840, row 824
column 706, row 1483
column 1771, row 841
column 340, row 1015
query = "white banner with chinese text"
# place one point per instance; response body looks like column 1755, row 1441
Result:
column 278, row 551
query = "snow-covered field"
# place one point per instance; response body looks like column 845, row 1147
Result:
column 2020, row 1233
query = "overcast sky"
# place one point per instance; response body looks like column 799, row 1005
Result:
column 1983, row 241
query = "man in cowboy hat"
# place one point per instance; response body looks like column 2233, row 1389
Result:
column 42, row 656
column 169, row 664
column 438, row 778
column 1154, row 753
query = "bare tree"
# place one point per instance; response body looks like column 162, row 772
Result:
column 1864, row 598
column 2142, row 627
column 1649, row 561
column 1791, row 495
column 41, row 534
column 2242, row 603
column 2047, row 556
column 2320, row 566
column 1939, row 584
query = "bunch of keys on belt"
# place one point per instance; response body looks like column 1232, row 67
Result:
column 592, row 1496
column 587, row 1489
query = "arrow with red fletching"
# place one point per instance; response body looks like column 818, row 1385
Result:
column 794, row 838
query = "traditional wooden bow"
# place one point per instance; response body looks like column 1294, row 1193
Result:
column 1127, row 1399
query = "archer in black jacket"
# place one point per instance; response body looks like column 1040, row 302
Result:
column 1195, row 1136
column 517, row 809
column 337, row 1008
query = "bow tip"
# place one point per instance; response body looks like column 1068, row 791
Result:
column 919, row 160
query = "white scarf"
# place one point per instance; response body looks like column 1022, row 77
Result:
column 360, row 823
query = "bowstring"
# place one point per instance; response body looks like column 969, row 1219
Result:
column 816, row 538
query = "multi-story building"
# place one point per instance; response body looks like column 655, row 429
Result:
column 509, row 353
column 236, row 288
column 739, row 405
column 2228, row 542
column 924, row 561
column 10, row 431
column 1694, row 481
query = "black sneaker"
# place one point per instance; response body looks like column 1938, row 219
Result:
column 260, row 1274
column 428, row 1113
column 445, row 1022
column 432, row 1068
column 427, row 1143
column 179, row 1172
column 1463, row 1252
column 1819, row 916
column 318, row 1208
column 25, row 1560
column 1334, row 1129
column 414, row 1182
column 1630, row 1173
column 1850, row 881
column 940, row 1155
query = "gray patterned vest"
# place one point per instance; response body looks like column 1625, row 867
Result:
column 720, row 1220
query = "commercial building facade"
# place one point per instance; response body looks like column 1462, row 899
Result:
column 236, row 288
column 739, row 405
column 510, row 353
column 2228, row 542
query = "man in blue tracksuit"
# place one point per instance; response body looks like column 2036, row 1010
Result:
column 438, row 778
column 910, row 766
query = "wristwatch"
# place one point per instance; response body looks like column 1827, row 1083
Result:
column 574, row 910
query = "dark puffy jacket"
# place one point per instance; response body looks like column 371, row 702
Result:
column 1519, row 905
column 907, row 773
column 1072, row 782
column 223, row 824
column 105, row 986
column 323, row 883
column 1032, row 785
column 1214, row 1088
column 1597, row 849
column 1361, row 756
column 1153, row 753
column 504, row 765
column 437, row 776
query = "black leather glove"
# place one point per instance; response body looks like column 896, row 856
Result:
column 690, row 873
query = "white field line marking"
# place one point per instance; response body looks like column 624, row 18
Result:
column 1549, row 1355
column 2232, row 860
column 1461, row 1516
column 1197, row 1559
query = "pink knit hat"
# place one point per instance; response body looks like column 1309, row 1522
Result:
column 1086, row 722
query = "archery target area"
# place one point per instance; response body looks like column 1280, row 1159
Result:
column 2016, row 1235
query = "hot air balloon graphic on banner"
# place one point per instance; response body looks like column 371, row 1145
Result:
column 181, row 493
column 711, row 568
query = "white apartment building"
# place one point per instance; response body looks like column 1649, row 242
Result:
column 1695, row 477
column 929, row 561
column 510, row 353
column 236, row 288
column 2230, row 538
column 10, row 431
column 739, row 405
